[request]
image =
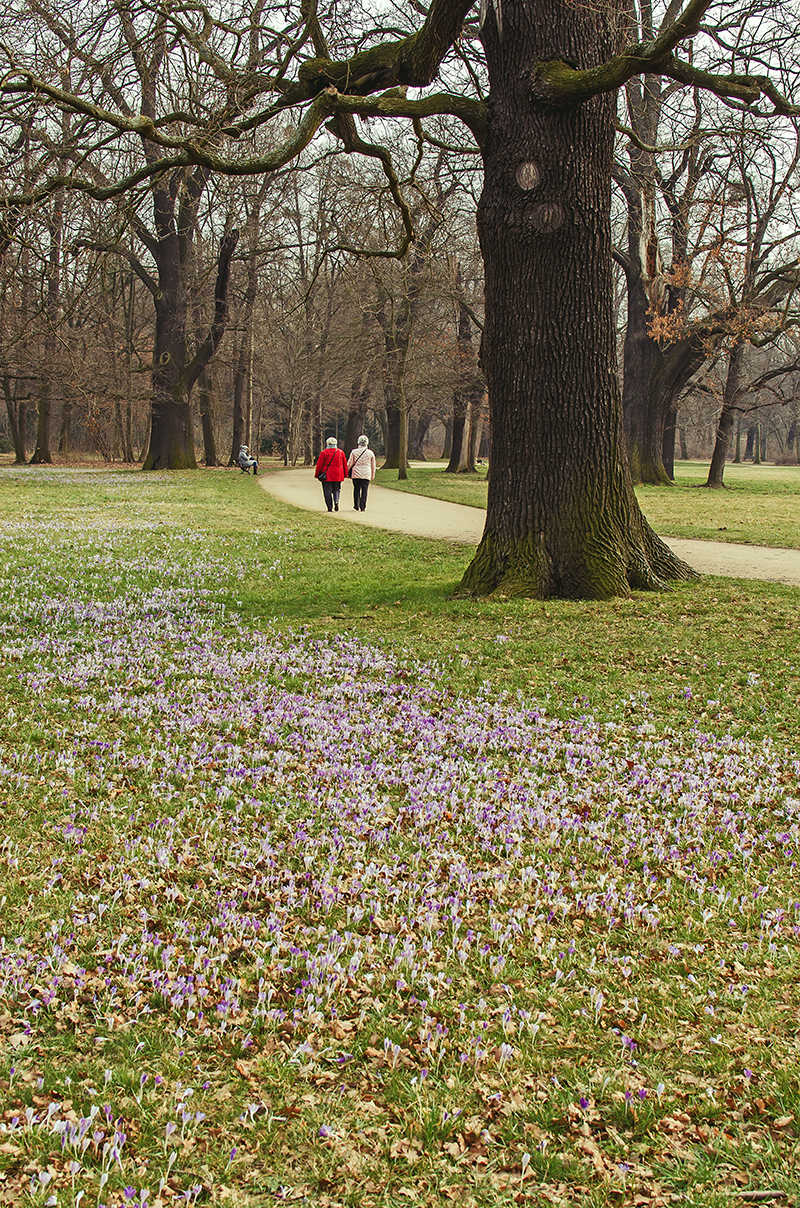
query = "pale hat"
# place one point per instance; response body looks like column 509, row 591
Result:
column 331, row 442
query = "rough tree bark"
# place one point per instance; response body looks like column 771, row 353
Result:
column 562, row 517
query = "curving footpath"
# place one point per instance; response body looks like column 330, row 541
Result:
column 423, row 517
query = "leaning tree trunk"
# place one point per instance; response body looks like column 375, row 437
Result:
column 562, row 517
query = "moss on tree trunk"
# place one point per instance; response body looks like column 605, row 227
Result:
column 562, row 518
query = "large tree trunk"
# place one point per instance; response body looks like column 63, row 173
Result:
column 562, row 517
column 171, row 431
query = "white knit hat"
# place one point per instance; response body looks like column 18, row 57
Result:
column 331, row 442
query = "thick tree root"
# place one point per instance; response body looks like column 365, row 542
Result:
column 528, row 570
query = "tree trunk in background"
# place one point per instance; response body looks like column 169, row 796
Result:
column 485, row 447
column 448, row 439
column 750, row 443
column 392, row 429
column 642, row 359
column 730, row 398
column 65, row 436
column 357, row 411
column 308, row 432
column 239, row 435
column 118, row 443
column 470, row 452
column 16, row 423
column 205, row 394
column 317, row 435
column 467, row 397
column 566, row 522
column 668, row 454
column 130, row 320
column 52, row 307
column 456, row 432
column 416, row 448
column 171, row 445
column 654, row 379
column 241, row 425
column 380, row 417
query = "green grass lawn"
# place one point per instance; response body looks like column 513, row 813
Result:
column 319, row 886
column 761, row 505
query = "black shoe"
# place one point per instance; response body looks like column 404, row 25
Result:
column 330, row 509
column 336, row 507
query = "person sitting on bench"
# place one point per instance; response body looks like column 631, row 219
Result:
column 246, row 461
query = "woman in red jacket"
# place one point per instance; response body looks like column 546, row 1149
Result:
column 331, row 471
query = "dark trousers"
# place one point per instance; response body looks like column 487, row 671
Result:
column 360, row 493
column 331, row 491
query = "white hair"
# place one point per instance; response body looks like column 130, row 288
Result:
column 363, row 440
column 331, row 442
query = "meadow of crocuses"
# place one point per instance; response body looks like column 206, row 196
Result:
column 284, row 917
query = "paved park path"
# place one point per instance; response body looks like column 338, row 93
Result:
column 423, row 517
